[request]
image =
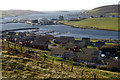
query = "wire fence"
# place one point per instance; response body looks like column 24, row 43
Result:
column 38, row 55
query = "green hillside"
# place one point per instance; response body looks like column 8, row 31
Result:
column 95, row 23
column 105, row 10
column 21, row 65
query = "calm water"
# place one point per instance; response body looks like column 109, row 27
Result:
column 70, row 31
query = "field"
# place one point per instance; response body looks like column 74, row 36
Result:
column 95, row 23
column 22, row 64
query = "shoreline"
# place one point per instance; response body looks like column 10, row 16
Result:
column 18, row 29
column 38, row 28
column 89, row 27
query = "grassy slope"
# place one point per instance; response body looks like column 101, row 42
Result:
column 25, row 65
column 100, row 23
column 105, row 10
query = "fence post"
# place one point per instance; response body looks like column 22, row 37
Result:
column 44, row 57
column 2, row 44
column 15, row 46
column 53, row 61
column 8, row 44
column 82, row 73
column 36, row 55
column 61, row 64
column 94, row 76
column 72, row 69
column 21, row 48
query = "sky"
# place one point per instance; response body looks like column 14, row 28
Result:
column 52, row 5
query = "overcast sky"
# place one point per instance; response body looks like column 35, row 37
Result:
column 47, row 5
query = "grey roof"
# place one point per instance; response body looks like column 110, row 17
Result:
column 70, row 45
column 89, row 50
column 58, row 51
column 80, row 44
column 43, row 38
column 39, row 43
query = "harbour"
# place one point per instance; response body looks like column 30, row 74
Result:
column 67, row 30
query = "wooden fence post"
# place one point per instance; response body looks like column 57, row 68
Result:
column 2, row 44
column 61, row 64
column 15, row 46
column 36, row 55
column 53, row 61
column 72, row 69
column 8, row 44
column 44, row 57
column 94, row 76
column 21, row 48
column 82, row 73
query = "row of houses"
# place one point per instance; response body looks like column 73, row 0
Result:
column 86, row 54
column 39, row 42
column 43, row 21
column 28, row 39
column 69, row 43
column 97, row 44
column 72, row 49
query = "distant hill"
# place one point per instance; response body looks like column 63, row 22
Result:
column 7, row 13
column 105, row 10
